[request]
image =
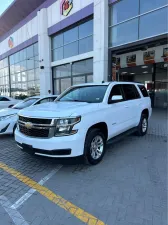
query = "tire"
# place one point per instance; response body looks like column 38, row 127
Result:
column 143, row 126
column 94, row 153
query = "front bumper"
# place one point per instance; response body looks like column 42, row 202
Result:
column 64, row 147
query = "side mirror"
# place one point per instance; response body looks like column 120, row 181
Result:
column 115, row 98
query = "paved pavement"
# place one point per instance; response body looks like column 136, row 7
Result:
column 127, row 188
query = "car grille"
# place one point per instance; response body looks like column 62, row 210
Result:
column 35, row 120
column 34, row 132
column 36, row 127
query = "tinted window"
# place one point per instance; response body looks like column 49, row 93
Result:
column 24, row 104
column 130, row 92
column 147, row 5
column 51, row 99
column 90, row 94
column 143, row 90
column 71, row 49
column 122, row 11
column 71, row 35
column 42, row 101
column 86, row 29
column 4, row 99
column 158, row 18
column 116, row 91
column 86, row 45
column 124, row 33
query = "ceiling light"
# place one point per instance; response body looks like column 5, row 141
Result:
column 143, row 67
column 132, row 73
column 123, row 72
column 145, row 72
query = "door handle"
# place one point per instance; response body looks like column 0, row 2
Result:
column 126, row 106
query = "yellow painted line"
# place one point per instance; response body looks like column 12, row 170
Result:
column 58, row 200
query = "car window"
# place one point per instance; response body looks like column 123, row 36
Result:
column 3, row 99
column 143, row 90
column 130, row 92
column 52, row 99
column 43, row 101
column 90, row 94
column 25, row 103
column 116, row 91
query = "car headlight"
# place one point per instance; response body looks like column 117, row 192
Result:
column 7, row 117
column 65, row 126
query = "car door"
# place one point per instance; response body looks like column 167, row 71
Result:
column 115, row 112
column 132, row 104
column 4, row 102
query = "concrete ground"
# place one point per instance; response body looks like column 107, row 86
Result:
column 129, row 187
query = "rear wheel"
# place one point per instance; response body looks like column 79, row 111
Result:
column 94, row 146
column 143, row 125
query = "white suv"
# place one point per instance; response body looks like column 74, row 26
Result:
column 83, row 119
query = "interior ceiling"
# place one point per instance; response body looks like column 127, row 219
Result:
column 144, row 69
column 16, row 12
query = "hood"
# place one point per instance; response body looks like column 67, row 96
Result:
column 58, row 109
column 8, row 111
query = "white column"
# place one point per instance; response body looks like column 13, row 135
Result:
column 100, row 66
column 44, row 52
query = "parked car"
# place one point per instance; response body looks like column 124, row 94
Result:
column 83, row 119
column 8, row 117
column 6, row 102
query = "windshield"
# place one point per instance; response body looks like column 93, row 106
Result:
column 90, row 94
column 24, row 104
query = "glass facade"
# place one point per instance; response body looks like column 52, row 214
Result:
column 4, row 77
column 67, row 75
column 24, row 72
column 72, row 42
column 135, row 20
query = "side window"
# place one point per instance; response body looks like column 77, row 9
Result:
column 143, row 90
column 116, row 94
column 52, row 99
column 4, row 99
column 43, row 101
column 130, row 92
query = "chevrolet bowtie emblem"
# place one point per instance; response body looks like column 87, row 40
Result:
column 29, row 125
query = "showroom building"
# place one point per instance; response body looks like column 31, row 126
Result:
column 53, row 44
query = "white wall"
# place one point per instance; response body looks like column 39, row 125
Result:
column 21, row 35
column 100, row 40
column 54, row 15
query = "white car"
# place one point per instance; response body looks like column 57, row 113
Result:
column 83, row 119
column 9, row 117
column 6, row 102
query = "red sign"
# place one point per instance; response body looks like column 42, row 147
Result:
column 165, row 54
column 149, row 57
column 131, row 60
column 66, row 7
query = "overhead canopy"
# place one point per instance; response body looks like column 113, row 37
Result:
column 16, row 12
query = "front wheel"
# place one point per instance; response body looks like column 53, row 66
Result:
column 143, row 125
column 94, row 146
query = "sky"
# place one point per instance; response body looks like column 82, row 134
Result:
column 4, row 5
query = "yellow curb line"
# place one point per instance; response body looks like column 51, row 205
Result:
column 58, row 200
